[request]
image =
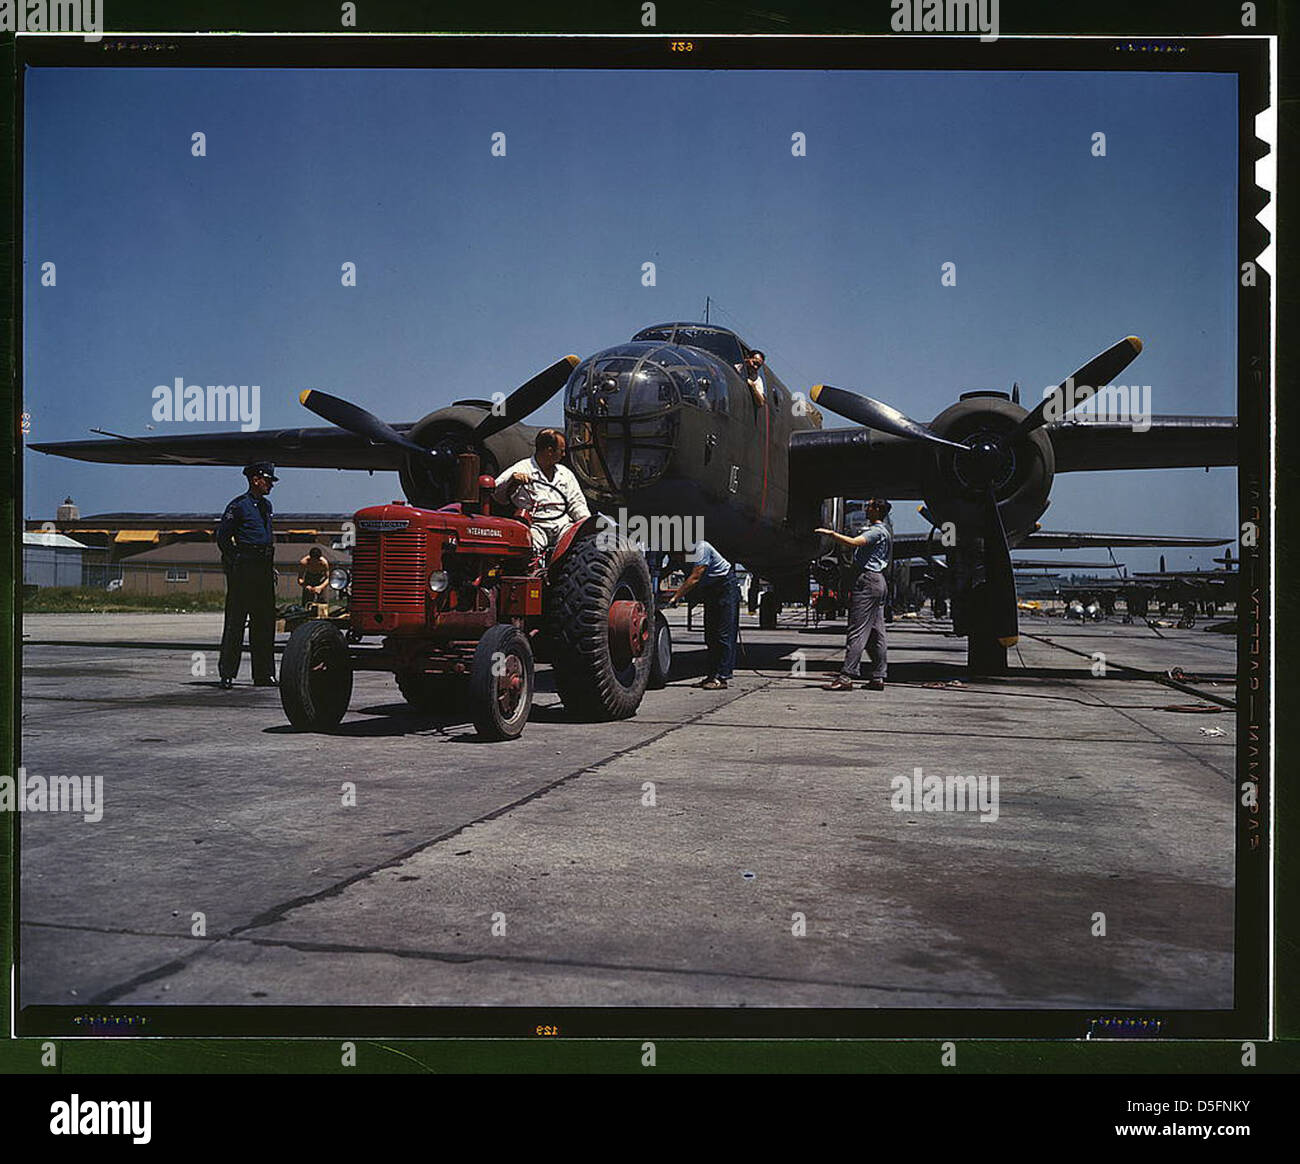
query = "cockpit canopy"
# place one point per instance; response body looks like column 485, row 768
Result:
column 719, row 341
column 644, row 378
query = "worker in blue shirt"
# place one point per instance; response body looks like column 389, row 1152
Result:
column 871, row 552
column 713, row 579
column 247, row 543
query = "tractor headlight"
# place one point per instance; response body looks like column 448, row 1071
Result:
column 438, row 581
column 339, row 578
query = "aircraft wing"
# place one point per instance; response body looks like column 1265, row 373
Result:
column 916, row 547
column 1172, row 442
column 295, row 448
column 1054, row 540
column 861, row 462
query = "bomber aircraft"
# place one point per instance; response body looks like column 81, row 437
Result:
column 666, row 424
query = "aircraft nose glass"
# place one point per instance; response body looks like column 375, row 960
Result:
column 622, row 423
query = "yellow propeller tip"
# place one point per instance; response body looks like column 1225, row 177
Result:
column 1010, row 640
column 1134, row 342
column 815, row 391
column 574, row 361
column 302, row 396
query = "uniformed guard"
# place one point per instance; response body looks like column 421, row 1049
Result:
column 247, row 546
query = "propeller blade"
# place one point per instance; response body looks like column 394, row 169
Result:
column 527, row 398
column 354, row 418
column 874, row 414
column 999, row 578
column 1096, row 373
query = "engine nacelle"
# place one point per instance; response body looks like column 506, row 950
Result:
column 1022, row 483
column 452, row 428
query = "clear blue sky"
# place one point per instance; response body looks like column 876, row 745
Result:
column 475, row 271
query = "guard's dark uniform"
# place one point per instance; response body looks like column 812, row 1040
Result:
column 247, row 551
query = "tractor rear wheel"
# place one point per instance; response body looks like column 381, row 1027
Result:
column 501, row 682
column 600, row 629
column 316, row 677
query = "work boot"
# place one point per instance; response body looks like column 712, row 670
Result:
column 266, row 681
column 876, row 685
column 714, row 685
column 227, row 684
column 839, row 683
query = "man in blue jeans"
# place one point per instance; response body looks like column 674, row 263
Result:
column 871, row 549
column 713, row 579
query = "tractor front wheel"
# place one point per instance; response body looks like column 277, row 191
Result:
column 501, row 683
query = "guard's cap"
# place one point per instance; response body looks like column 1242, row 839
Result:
column 260, row 468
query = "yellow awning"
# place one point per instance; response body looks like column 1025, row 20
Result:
column 136, row 535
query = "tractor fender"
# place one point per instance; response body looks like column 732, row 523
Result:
column 579, row 529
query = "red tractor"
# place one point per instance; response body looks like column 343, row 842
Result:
column 462, row 607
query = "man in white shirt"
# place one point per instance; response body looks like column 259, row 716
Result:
column 546, row 489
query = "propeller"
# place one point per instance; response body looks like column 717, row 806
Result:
column 523, row 401
column 985, row 458
column 354, row 418
column 874, row 414
column 527, row 398
column 1101, row 369
column 998, row 576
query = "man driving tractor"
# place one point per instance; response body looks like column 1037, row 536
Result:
column 544, row 489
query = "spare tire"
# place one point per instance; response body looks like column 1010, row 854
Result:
column 661, row 653
column 316, row 677
column 601, row 655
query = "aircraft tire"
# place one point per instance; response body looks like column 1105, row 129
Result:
column 768, row 609
column 661, row 653
column 501, row 682
column 586, row 581
column 316, row 677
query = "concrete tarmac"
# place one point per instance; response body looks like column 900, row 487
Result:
column 744, row 847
